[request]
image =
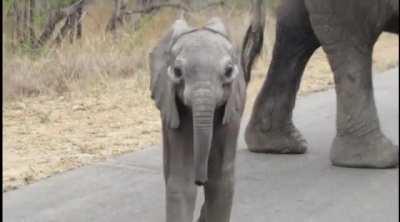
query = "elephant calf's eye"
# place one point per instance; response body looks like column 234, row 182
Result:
column 178, row 72
column 228, row 72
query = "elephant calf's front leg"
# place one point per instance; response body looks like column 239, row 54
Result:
column 219, row 189
column 181, row 190
column 218, row 199
column 181, row 197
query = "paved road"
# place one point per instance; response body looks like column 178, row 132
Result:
column 281, row 188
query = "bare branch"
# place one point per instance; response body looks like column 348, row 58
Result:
column 159, row 6
column 213, row 4
column 179, row 6
column 58, row 15
column 63, row 30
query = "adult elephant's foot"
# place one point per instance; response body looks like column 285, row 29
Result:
column 372, row 151
column 287, row 140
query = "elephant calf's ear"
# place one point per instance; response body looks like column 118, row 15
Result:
column 253, row 41
column 162, row 88
column 236, row 100
column 215, row 24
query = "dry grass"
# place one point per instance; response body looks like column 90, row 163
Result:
column 81, row 103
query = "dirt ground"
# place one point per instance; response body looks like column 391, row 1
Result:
column 47, row 135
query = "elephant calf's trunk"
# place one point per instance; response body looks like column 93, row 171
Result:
column 203, row 119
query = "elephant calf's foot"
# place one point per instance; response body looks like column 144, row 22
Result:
column 283, row 141
column 374, row 151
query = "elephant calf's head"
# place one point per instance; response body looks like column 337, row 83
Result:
column 201, row 68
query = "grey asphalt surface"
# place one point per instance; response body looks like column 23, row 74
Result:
column 273, row 188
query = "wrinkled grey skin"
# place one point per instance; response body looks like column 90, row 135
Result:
column 198, row 83
column 347, row 31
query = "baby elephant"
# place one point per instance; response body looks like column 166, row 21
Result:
column 198, row 82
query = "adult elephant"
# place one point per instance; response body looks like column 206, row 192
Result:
column 347, row 31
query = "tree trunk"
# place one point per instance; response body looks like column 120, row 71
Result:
column 79, row 24
column 25, row 29
column 118, row 16
column 57, row 16
column 72, row 26
column 18, row 21
column 32, row 36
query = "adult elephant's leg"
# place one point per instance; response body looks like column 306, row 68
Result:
column 359, row 141
column 179, row 176
column 271, row 129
